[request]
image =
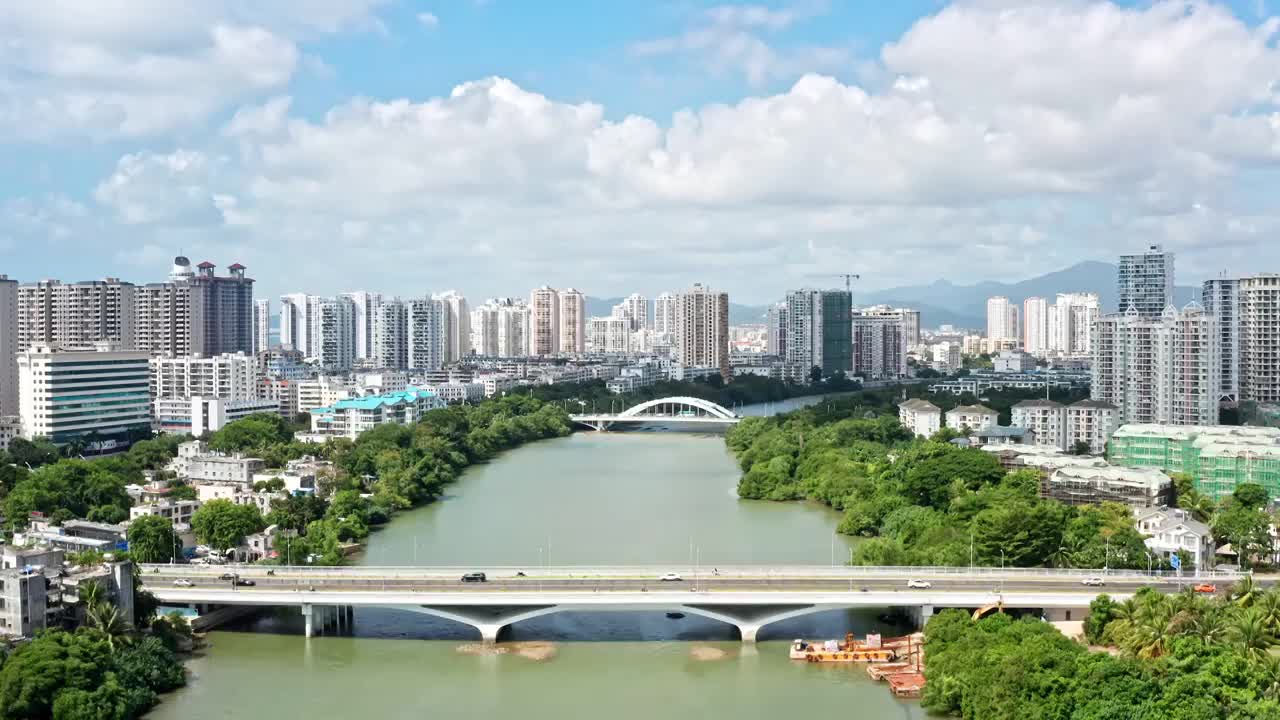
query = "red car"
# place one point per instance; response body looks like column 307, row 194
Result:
column 1205, row 588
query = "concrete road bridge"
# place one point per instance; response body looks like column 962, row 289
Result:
column 746, row 597
column 663, row 411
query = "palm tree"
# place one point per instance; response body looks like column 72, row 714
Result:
column 92, row 594
column 1268, row 603
column 1209, row 624
column 1150, row 633
column 1268, row 671
column 1244, row 592
column 1251, row 634
column 107, row 619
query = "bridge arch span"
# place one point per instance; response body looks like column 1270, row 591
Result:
column 692, row 403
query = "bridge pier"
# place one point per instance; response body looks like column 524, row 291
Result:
column 308, row 614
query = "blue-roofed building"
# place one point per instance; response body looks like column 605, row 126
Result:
column 348, row 418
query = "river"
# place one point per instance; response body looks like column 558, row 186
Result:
column 619, row 498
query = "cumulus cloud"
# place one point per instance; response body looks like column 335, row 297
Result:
column 138, row 67
column 1007, row 138
column 428, row 20
column 729, row 39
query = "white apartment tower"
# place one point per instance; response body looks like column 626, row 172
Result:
column 1260, row 338
column 1071, row 321
column 1158, row 371
column 428, row 335
column 330, row 335
column 702, row 328
column 573, row 321
column 457, row 325
column 544, row 331
column 664, row 314
column 8, row 346
column 1035, row 325
column 51, row 312
column 484, row 330
column 261, row 325
column 391, row 335
column 1221, row 297
column 637, row 307
column 499, row 328
column 364, row 313
column 609, row 334
column 1145, row 282
column 776, row 333
column 1002, row 319
column 230, row 376
column 293, row 322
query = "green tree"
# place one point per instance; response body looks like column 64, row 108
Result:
column 152, row 540
column 1250, row 495
column 223, row 525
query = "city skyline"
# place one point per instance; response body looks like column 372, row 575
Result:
column 286, row 135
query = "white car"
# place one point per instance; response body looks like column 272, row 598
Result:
column 1093, row 582
column 918, row 584
column 671, row 577
column 183, row 582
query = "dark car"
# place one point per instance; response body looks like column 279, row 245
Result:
column 228, row 576
column 474, row 577
column 245, row 582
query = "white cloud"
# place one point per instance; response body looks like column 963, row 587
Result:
column 428, row 20
column 1004, row 140
column 727, row 39
column 139, row 67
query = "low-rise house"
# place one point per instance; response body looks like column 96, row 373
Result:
column 1170, row 530
column 348, row 418
column 1080, row 485
column 95, row 530
column 175, row 511
column 1047, row 418
column 1001, row 435
column 239, row 495
column 971, row 418
column 921, row 417
column 196, row 463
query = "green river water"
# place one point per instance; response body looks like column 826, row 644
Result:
column 625, row 498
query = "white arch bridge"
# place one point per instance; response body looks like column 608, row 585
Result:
column 692, row 410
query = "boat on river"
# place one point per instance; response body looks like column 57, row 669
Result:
column 851, row 650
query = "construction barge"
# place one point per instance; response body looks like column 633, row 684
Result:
column 873, row 649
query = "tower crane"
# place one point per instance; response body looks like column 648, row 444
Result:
column 848, row 279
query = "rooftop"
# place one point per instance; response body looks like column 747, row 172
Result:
column 1038, row 402
column 373, row 402
column 918, row 405
column 973, row 410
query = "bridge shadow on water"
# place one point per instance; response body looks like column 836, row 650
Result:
column 577, row 626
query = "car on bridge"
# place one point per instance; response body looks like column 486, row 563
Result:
column 1205, row 588
column 918, row 584
column 1093, row 582
column 670, row 577
column 474, row 577
column 183, row 582
column 244, row 582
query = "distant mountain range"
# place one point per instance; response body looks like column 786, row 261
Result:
column 944, row 303
column 964, row 306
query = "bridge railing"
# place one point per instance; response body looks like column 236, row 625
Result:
column 724, row 571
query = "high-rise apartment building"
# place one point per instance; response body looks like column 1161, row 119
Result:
column 364, row 309
column 1158, row 371
column 261, row 325
column 499, row 328
column 51, row 312
column 428, row 333
column 1221, row 297
column 1070, row 326
column 8, row 346
column 879, row 343
column 776, row 330
column 330, row 335
column 664, row 314
column 819, row 333
column 196, row 312
column 99, row 394
column 637, row 308
column 391, row 335
column 544, row 332
column 702, row 329
column 457, row 325
column 910, row 326
column 230, row 376
column 293, row 322
column 1259, row 312
column 1035, row 325
column 573, row 321
column 609, row 334
column 1145, row 282
column 1002, row 319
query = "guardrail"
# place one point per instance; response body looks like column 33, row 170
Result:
column 723, row 571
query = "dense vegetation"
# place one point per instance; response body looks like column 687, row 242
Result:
column 1181, row 657
column 387, row 469
column 34, row 478
column 923, row 502
column 744, row 390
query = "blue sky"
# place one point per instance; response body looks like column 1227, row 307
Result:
column 410, row 147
